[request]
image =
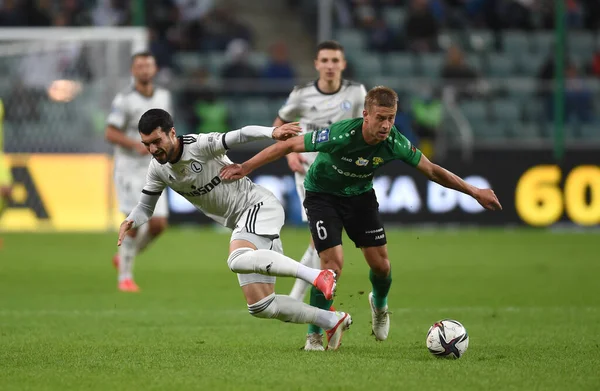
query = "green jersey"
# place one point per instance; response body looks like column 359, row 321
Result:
column 346, row 164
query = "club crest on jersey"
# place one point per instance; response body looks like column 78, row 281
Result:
column 196, row 167
column 346, row 105
column 322, row 136
column 377, row 161
column 362, row 162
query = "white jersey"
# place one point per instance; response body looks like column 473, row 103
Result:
column 317, row 110
column 195, row 176
column 126, row 111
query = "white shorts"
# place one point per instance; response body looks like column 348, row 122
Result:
column 129, row 187
column 310, row 158
column 261, row 226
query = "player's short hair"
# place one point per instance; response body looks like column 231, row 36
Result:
column 143, row 54
column 329, row 45
column 155, row 118
column 381, row 96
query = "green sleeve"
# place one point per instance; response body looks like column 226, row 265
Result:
column 405, row 151
column 330, row 139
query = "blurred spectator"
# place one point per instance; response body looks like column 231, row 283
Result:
column 458, row 75
column 591, row 14
column 74, row 14
column 162, row 49
column 238, row 67
column 379, row 37
column 279, row 68
column 39, row 12
column 111, row 13
column 11, row 14
column 519, row 15
column 596, row 64
column 192, row 10
column 421, row 27
column 578, row 97
column 221, row 27
column 426, row 111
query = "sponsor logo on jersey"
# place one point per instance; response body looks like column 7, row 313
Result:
column 350, row 174
column 196, row 167
column 361, row 162
column 379, row 236
column 346, row 159
column 377, row 161
column 202, row 190
column 346, row 105
column 322, row 136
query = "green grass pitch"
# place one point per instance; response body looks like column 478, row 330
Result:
column 529, row 299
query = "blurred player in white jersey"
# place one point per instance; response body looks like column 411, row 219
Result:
column 317, row 105
column 132, row 159
column 190, row 165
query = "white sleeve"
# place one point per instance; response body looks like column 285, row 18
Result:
column 359, row 104
column 292, row 109
column 216, row 144
column 118, row 113
column 150, row 194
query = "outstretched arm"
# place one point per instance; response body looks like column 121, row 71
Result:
column 440, row 175
column 215, row 144
column 140, row 214
column 267, row 155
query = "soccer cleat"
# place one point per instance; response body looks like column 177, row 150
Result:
column 380, row 318
column 314, row 342
column 334, row 335
column 325, row 282
column 115, row 260
column 128, row 285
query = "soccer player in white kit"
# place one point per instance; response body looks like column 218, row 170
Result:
column 317, row 105
column 190, row 165
column 132, row 158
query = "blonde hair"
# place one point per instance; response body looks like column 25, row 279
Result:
column 381, row 96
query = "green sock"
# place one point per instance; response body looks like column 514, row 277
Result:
column 317, row 299
column 381, row 288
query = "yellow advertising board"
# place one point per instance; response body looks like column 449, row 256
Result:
column 61, row 192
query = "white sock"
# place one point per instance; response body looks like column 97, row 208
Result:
column 288, row 309
column 300, row 286
column 127, row 254
column 268, row 262
column 142, row 238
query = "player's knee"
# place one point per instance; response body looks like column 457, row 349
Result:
column 157, row 226
column 237, row 258
column 265, row 308
column 382, row 267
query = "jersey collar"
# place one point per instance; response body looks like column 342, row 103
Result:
column 327, row 93
column 180, row 141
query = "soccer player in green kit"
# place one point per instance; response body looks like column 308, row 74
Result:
column 340, row 195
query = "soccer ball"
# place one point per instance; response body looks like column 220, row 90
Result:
column 447, row 338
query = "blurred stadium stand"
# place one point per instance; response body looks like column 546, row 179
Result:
column 490, row 60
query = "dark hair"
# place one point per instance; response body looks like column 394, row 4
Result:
column 329, row 45
column 155, row 118
column 381, row 96
column 141, row 54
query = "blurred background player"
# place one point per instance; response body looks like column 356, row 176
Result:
column 317, row 105
column 5, row 176
column 132, row 159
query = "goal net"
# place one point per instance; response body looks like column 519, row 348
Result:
column 59, row 83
